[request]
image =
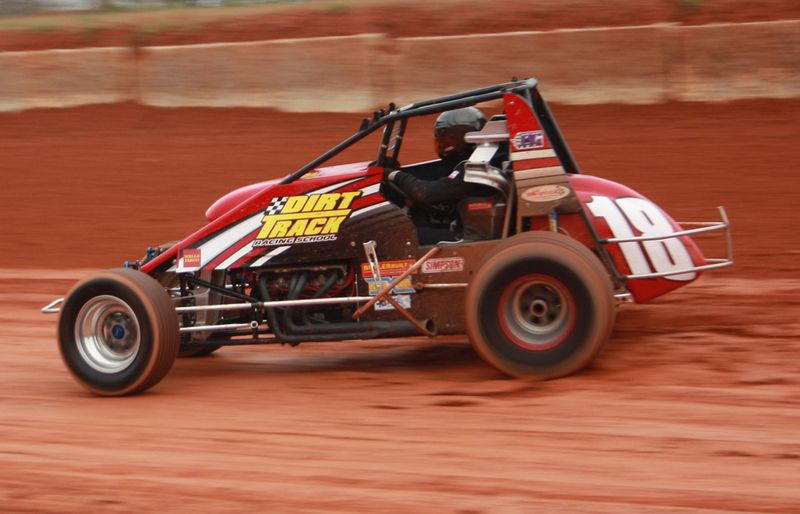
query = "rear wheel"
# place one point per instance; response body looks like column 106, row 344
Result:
column 118, row 332
column 540, row 306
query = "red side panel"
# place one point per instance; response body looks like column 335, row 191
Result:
column 530, row 146
column 238, row 218
column 617, row 211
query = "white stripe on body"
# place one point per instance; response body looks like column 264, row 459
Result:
column 532, row 154
column 264, row 258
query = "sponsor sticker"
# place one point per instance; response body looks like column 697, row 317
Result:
column 389, row 271
column 529, row 140
column 404, row 287
column 547, row 193
column 304, row 219
column 403, row 299
column 443, row 265
column 479, row 206
column 388, row 268
column 190, row 259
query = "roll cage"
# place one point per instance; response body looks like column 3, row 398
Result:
column 393, row 117
column 394, row 120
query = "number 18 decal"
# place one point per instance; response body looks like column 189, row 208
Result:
column 665, row 255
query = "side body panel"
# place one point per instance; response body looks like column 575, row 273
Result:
column 616, row 211
column 551, row 193
column 303, row 221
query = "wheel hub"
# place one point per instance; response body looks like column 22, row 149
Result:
column 536, row 310
column 107, row 334
column 118, row 331
column 539, row 308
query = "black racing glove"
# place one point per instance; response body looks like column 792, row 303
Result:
column 389, row 174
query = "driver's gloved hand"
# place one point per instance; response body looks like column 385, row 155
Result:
column 389, row 174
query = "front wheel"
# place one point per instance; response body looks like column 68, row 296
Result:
column 118, row 332
column 540, row 306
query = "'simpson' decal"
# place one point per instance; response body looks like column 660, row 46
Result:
column 443, row 265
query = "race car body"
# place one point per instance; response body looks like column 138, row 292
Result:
column 532, row 270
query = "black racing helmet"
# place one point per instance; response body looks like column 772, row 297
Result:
column 449, row 131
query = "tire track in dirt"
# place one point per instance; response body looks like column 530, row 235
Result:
column 663, row 421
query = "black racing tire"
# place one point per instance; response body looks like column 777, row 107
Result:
column 118, row 332
column 197, row 350
column 540, row 306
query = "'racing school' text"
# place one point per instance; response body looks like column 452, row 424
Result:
column 305, row 218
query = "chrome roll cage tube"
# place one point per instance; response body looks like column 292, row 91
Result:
column 259, row 305
column 53, row 307
column 703, row 227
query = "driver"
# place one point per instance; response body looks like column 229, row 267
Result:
column 433, row 192
column 445, row 183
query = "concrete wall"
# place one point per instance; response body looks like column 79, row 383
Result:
column 647, row 64
column 575, row 66
column 727, row 61
column 319, row 74
column 65, row 78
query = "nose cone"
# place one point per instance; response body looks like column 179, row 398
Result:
column 234, row 198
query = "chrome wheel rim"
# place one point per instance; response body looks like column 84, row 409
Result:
column 537, row 312
column 107, row 334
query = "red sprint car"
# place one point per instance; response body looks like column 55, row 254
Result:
column 532, row 273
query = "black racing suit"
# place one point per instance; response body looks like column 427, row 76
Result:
column 433, row 199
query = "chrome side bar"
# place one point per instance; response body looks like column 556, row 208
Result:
column 711, row 227
column 213, row 328
column 253, row 325
column 53, row 307
column 274, row 303
column 441, row 285
column 715, row 264
column 623, row 297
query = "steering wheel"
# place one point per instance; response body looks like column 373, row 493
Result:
column 393, row 193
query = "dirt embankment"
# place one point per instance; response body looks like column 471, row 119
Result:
column 396, row 19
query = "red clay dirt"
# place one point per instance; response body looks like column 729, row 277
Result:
column 693, row 405
column 396, row 19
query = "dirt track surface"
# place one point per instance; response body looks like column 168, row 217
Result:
column 693, row 406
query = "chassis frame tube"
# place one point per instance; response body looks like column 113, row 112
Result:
column 274, row 303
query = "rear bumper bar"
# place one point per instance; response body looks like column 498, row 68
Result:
column 702, row 227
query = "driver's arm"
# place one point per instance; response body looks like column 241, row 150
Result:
column 428, row 192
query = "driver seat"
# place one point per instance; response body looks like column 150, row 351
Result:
column 483, row 217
